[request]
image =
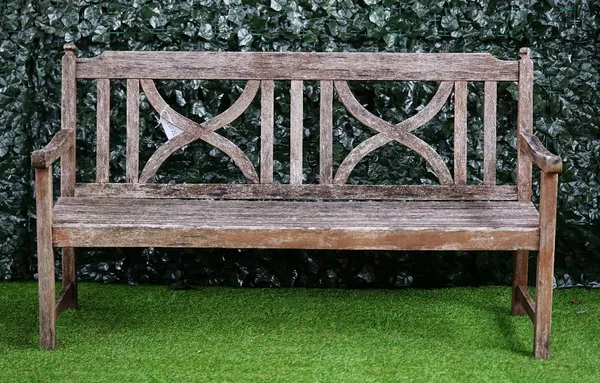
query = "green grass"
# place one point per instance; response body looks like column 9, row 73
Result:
column 150, row 333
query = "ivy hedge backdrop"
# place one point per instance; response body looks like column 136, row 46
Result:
column 564, row 37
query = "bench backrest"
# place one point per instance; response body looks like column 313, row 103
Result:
column 332, row 70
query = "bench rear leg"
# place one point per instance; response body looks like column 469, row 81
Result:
column 45, row 255
column 520, row 269
column 69, row 279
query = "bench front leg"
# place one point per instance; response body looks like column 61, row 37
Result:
column 545, row 266
column 45, row 255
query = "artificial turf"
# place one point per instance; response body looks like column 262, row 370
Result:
column 150, row 333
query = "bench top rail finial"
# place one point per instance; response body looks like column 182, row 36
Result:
column 69, row 47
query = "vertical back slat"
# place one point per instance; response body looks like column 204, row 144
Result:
column 133, row 131
column 460, row 132
column 102, row 130
column 524, row 124
column 296, row 131
column 489, row 133
column 266, row 131
column 325, row 129
column 68, row 119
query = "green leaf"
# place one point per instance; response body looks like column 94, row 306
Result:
column 92, row 13
column 244, row 37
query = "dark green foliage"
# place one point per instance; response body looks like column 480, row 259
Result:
column 563, row 37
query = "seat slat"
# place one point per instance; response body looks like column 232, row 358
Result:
column 334, row 214
column 454, row 225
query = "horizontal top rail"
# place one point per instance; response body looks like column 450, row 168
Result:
column 297, row 66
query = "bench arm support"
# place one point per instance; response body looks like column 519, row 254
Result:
column 532, row 146
column 60, row 143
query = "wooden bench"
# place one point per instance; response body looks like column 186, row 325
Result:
column 330, row 215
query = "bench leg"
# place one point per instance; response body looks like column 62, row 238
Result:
column 543, row 306
column 520, row 268
column 69, row 278
column 545, row 266
column 45, row 255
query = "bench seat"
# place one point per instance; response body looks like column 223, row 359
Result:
column 384, row 225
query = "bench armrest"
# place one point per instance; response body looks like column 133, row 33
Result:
column 43, row 158
column 532, row 146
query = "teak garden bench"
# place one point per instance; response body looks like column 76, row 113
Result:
column 330, row 215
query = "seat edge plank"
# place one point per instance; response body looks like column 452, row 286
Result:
column 298, row 238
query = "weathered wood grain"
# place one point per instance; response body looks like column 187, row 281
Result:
column 325, row 133
column 532, row 147
column 276, row 224
column 45, row 256
column 132, row 167
column 59, row 145
column 212, row 138
column 164, row 151
column 296, row 131
column 460, row 133
column 489, row 132
column 64, row 300
column 545, row 265
column 267, row 121
column 103, row 130
column 330, row 215
column 324, row 239
column 67, row 181
column 230, row 114
column 217, row 122
column 387, row 132
column 298, row 66
column 302, row 192
column 69, row 279
column 525, row 301
column 519, row 280
column 205, row 131
column 524, row 124
column 377, row 141
column 430, row 110
column 68, row 120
